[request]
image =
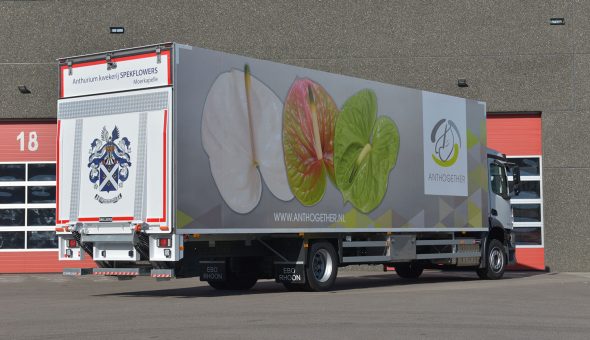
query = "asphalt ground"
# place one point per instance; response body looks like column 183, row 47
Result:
column 363, row 305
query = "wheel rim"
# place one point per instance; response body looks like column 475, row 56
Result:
column 321, row 265
column 496, row 260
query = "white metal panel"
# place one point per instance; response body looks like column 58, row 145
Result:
column 66, row 150
column 155, row 163
column 104, row 112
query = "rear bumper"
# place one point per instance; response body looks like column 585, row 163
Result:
column 121, row 272
column 121, row 247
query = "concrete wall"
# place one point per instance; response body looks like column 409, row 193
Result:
column 510, row 55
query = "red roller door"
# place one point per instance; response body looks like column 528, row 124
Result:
column 27, row 199
column 519, row 136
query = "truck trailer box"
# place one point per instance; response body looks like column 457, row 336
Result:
column 209, row 142
column 179, row 140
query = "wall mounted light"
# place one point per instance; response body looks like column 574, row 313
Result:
column 462, row 83
column 117, row 29
column 23, row 89
column 557, row 21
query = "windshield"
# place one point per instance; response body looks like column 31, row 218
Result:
column 498, row 179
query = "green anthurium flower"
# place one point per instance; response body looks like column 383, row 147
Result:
column 365, row 151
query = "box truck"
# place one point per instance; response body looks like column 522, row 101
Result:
column 177, row 161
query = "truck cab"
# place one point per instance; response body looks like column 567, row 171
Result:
column 500, row 217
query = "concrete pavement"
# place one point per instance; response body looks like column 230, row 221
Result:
column 364, row 305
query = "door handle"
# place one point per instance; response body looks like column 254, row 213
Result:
column 494, row 212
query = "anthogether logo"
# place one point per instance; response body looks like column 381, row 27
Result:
column 447, row 142
column 109, row 163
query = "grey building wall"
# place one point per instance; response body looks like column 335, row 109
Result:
column 510, row 55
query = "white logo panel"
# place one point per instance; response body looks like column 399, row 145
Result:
column 445, row 144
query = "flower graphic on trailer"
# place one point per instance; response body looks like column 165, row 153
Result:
column 241, row 134
column 109, row 160
column 447, row 142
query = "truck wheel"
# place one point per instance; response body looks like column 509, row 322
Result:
column 235, row 282
column 294, row 287
column 219, row 285
column 241, row 283
column 411, row 270
column 496, row 260
column 322, row 267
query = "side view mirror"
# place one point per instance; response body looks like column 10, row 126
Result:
column 516, row 179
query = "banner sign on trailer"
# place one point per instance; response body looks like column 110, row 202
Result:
column 268, row 147
column 125, row 73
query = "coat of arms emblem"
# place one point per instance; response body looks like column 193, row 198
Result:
column 109, row 163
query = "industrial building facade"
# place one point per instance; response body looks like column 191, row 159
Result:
column 528, row 60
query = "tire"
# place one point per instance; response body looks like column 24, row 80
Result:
column 294, row 287
column 496, row 260
column 234, row 283
column 237, row 278
column 219, row 285
column 241, row 282
column 322, row 267
column 411, row 270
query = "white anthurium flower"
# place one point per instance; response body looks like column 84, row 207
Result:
column 241, row 132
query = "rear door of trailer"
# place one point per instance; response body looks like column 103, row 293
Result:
column 114, row 141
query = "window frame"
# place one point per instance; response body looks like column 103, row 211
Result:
column 26, row 228
column 516, row 200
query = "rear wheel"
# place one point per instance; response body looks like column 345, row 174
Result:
column 294, row 287
column 411, row 270
column 242, row 282
column 496, row 259
column 241, row 276
column 322, row 267
column 234, row 283
column 219, row 285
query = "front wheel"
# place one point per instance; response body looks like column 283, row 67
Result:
column 322, row 267
column 496, row 259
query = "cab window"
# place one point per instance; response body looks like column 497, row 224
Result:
column 498, row 180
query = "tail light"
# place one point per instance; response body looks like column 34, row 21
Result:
column 72, row 243
column 164, row 242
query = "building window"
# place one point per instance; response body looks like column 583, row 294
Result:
column 27, row 206
column 527, row 207
column 12, row 172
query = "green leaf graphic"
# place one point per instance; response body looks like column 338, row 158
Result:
column 365, row 151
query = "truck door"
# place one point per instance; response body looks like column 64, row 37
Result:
column 499, row 195
column 113, row 152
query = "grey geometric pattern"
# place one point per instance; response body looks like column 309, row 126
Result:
column 113, row 105
column 75, row 194
column 140, row 165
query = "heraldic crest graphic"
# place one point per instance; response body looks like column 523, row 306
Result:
column 109, row 163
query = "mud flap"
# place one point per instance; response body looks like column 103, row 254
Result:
column 290, row 272
column 215, row 271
